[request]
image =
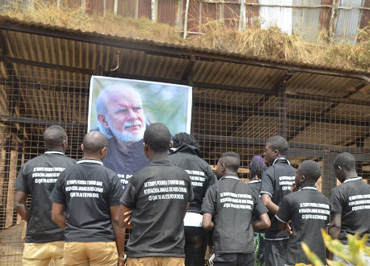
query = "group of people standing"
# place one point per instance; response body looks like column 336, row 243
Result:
column 80, row 210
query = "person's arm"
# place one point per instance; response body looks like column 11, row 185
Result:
column 272, row 207
column 119, row 230
column 334, row 229
column 263, row 222
column 335, row 225
column 285, row 226
column 20, row 204
column 126, row 216
column 57, row 214
column 207, row 221
column 187, row 208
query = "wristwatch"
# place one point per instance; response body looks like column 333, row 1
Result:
column 124, row 258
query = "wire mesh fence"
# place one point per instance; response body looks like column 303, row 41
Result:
column 317, row 127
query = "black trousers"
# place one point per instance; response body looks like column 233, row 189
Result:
column 234, row 259
column 196, row 239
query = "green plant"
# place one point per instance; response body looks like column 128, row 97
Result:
column 357, row 248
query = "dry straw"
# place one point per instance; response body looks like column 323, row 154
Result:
column 268, row 43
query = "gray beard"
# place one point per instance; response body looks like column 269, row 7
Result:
column 128, row 136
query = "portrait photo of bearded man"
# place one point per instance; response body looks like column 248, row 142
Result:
column 121, row 118
column 122, row 109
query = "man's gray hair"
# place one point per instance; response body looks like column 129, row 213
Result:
column 101, row 106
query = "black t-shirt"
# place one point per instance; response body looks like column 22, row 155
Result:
column 309, row 211
column 37, row 177
column 352, row 200
column 158, row 194
column 277, row 181
column 88, row 189
column 255, row 186
column 125, row 164
column 232, row 205
column 187, row 157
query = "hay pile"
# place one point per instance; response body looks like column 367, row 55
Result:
column 266, row 43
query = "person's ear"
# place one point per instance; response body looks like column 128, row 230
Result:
column 103, row 152
column 145, row 147
column 223, row 167
column 65, row 144
column 171, row 144
column 303, row 179
column 102, row 119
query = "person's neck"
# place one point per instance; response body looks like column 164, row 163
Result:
column 60, row 149
column 158, row 156
column 91, row 157
column 308, row 184
column 229, row 172
column 350, row 175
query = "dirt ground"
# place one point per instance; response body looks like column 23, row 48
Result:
column 11, row 245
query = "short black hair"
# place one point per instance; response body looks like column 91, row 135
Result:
column 257, row 166
column 94, row 141
column 54, row 136
column 310, row 169
column 278, row 143
column 345, row 160
column 158, row 137
column 231, row 160
column 183, row 138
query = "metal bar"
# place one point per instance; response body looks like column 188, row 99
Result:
column 293, row 145
column 46, row 65
column 327, row 110
column 186, row 19
column 196, row 84
column 283, row 121
column 240, row 110
column 285, row 6
column 33, row 121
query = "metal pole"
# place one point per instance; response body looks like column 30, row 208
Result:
column 186, row 19
column 153, row 10
column 115, row 7
column 83, row 6
column 242, row 15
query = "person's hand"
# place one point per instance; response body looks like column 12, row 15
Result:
column 294, row 188
column 127, row 219
column 289, row 229
column 122, row 260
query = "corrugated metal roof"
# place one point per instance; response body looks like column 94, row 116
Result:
column 67, row 58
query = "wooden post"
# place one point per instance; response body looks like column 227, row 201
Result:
column 180, row 6
column 10, row 194
column 333, row 17
column 137, row 9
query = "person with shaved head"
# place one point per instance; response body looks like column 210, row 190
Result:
column 86, row 202
column 121, row 118
column 303, row 214
column 228, row 209
column 276, row 183
column 44, row 239
column 159, row 196
column 350, row 203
